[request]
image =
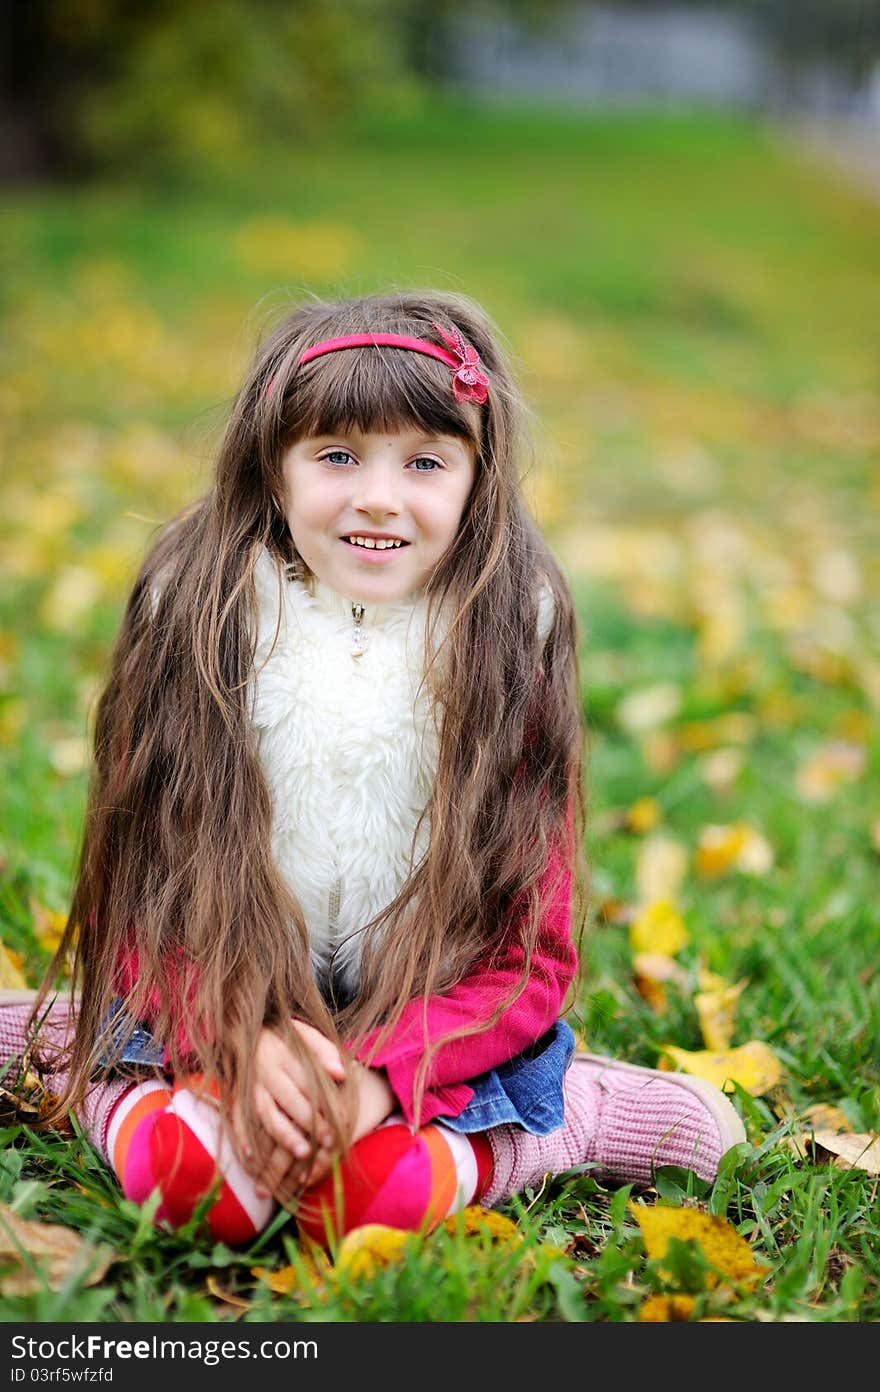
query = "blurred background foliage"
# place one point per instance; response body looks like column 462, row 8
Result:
column 93, row 85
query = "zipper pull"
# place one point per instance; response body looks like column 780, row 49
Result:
column 359, row 638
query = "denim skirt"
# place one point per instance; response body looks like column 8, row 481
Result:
column 526, row 1091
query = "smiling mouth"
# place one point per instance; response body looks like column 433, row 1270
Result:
column 375, row 543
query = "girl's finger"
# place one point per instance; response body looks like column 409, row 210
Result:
column 321, row 1167
column 279, row 1126
column 296, row 1104
column 324, row 1050
column 273, row 1173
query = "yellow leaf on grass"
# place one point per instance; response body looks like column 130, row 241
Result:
column 825, row 1116
column 652, row 971
column 722, row 1246
column 658, row 928
column 11, row 974
column 835, row 763
column 643, row 815
column 736, row 727
column 48, row 924
column 69, row 755
column 661, row 866
column 474, row 1221
column 35, row 1255
column 311, row 1267
column 367, row 1249
column 716, row 1012
column 721, row 767
column 753, row 1066
column 667, row 1309
column 734, row 847
column 853, row 1150
column 214, row 1288
column 650, row 706
column 282, row 1281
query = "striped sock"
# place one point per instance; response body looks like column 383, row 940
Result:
column 397, row 1177
column 152, row 1135
column 174, row 1141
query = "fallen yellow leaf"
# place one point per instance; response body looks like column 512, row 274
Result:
column 652, row 971
column 312, row 1265
column 726, row 1251
column 474, row 1221
column 854, row 1150
column 660, row 750
column 661, row 866
column 281, row 1281
column 716, row 1012
column 753, row 1066
column 837, row 762
column 643, row 815
column 658, row 928
column 48, row 924
column 651, row 705
column 718, row 849
column 734, row 847
column 667, row 1309
column 826, row 1116
column 11, row 975
column 34, row 1255
column 227, row 1297
column 736, row 727
column 365, row 1250
column 722, row 767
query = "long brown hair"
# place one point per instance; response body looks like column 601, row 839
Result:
column 176, row 878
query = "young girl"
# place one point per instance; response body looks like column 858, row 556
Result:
column 321, row 933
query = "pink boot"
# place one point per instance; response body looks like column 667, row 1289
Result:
column 16, row 1038
column 621, row 1123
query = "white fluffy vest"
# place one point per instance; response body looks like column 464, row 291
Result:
column 349, row 748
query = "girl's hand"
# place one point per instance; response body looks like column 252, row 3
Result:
column 283, row 1105
column 375, row 1100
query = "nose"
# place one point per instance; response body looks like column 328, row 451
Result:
column 378, row 488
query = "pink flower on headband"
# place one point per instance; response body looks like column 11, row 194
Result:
column 468, row 382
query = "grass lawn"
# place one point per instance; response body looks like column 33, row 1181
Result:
column 692, row 310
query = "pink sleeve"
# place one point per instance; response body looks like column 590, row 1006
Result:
column 553, row 966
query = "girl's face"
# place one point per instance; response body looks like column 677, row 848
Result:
column 350, row 497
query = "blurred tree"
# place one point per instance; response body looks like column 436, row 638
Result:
column 99, row 83
column 91, row 84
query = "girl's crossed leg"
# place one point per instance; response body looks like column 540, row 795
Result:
column 620, row 1121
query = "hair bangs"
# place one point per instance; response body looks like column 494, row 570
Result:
column 376, row 389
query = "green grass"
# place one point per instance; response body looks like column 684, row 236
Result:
column 692, row 310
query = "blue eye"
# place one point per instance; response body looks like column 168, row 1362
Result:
column 426, row 459
column 328, row 458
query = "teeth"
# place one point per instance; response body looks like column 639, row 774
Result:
column 372, row 543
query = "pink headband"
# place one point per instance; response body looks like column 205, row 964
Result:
column 468, row 382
